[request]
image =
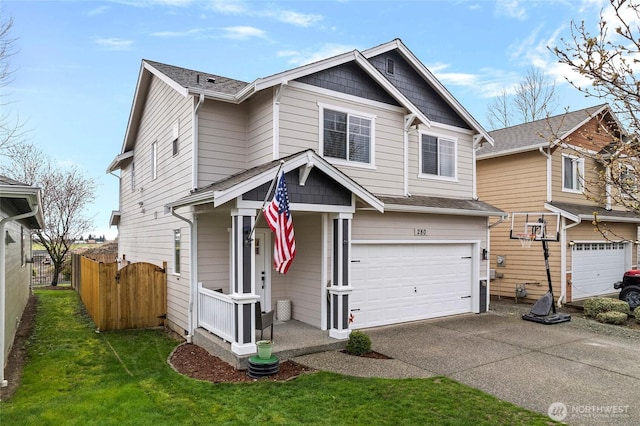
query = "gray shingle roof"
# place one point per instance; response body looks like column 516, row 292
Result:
column 192, row 79
column 536, row 133
column 465, row 205
column 586, row 211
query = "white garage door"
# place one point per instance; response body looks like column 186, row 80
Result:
column 596, row 266
column 394, row 283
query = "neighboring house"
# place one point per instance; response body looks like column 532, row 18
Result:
column 380, row 165
column 19, row 213
column 553, row 165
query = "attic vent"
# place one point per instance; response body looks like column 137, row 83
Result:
column 390, row 66
column 197, row 78
column 211, row 80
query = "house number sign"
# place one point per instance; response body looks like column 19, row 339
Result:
column 421, row 232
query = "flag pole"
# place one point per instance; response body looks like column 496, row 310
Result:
column 264, row 203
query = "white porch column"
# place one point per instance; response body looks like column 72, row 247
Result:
column 243, row 281
column 340, row 276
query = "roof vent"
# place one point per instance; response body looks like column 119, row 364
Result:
column 211, row 80
column 197, row 78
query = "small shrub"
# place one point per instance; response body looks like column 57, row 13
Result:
column 359, row 343
column 612, row 317
column 636, row 313
column 597, row 305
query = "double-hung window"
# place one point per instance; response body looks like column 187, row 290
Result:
column 437, row 157
column 572, row 173
column 347, row 136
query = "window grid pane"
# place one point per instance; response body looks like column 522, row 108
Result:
column 335, row 134
column 447, row 154
column 429, row 155
column 359, row 139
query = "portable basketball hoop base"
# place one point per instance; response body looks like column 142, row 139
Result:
column 535, row 229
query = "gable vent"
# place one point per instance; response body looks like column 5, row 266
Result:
column 390, row 66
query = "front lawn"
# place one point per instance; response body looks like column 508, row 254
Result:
column 77, row 376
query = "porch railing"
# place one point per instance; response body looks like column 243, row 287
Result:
column 216, row 313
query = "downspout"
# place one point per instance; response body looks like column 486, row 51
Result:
column 408, row 121
column 608, row 188
column 3, row 277
column 193, row 279
column 563, row 260
column 195, row 137
column 548, row 156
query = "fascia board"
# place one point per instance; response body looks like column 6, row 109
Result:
column 390, row 88
column 220, row 197
column 563, row 213
column 165, row 79
column 519, row 150
column 577, row 126
column 444, row 211
column 283, row 77
column 419, row 66
column 117, row 161
column 31, row 194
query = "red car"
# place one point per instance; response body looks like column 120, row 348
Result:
column 630, row 288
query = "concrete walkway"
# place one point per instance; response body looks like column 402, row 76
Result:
column 576, row 374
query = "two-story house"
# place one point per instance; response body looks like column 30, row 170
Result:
column 559, row 164
column 20, row 212
column 379, row 160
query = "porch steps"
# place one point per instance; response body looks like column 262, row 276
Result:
column 291, row 339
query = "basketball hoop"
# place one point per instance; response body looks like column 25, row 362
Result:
column 526, row 239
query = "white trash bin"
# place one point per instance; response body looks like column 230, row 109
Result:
column 283, row 308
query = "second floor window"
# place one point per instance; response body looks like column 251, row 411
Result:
column 572, row 173
column 438, row 157
column 347, row 136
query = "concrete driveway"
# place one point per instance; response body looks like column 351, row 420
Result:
column 570, row 371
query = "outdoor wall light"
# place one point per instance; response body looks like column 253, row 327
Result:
column 572, row 243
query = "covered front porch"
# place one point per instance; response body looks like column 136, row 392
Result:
column 290, row 339
column 231, row 258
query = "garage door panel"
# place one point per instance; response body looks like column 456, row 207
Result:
column 396, row 283
column 596, row 266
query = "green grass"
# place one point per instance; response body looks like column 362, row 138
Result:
column 76, row 376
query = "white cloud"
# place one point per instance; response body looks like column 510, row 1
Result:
column 175, row 34
column 294, row 18
column 511, row 9
column 98, row 11
column 487, row 82
column 114, row 43
column 231, row 7
column 308, row 56
column 243, row 32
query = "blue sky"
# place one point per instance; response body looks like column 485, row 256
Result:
column 78, row 61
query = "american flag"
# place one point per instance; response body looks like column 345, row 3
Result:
column 279, row 219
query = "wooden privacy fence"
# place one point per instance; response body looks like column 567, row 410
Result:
column 132, row 297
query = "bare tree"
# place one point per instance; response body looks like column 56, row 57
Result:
column 534, row 98
column 499, row 111
column 609, row 62
column 11, row 129
column 65, row 194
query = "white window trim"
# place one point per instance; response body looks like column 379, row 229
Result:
column 628, row 169
column 422, row 175
column 154, row 160
column 349, row 112
column 176, row 259
column 579, row 176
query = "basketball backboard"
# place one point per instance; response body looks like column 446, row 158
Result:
column 535, row 226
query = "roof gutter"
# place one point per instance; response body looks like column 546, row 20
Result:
column 3, row 275
column 444, row 211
